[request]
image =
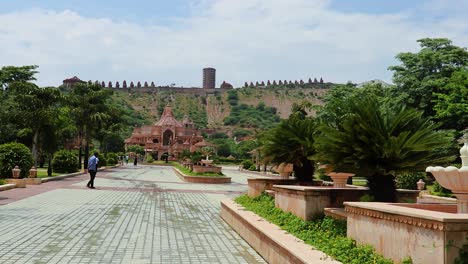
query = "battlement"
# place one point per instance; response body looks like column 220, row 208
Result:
column 262, row 84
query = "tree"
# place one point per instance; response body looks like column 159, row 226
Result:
column 451, row 103
column 90, row 110
column 292, row 141
column 34, row 108
column 10, row 74
column 136, row 149
column 243, row 149
column 379, row 141
column 424, row 73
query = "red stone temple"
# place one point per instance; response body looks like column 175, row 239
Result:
column 167, row 136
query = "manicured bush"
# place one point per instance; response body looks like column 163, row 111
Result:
column 64, row 161
column 409, row 180
column 15, row 154
column 111, row 158
column 149, row 159
column 246, row 164
column 102, row 161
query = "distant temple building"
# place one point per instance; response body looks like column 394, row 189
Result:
column 72, row 81
column 167, row 136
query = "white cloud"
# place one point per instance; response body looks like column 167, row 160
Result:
column 246, row 40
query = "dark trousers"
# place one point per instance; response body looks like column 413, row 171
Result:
column 92, row 174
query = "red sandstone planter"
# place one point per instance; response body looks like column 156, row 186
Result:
column 205, row 169
column 340, row 178
column 285, row 169
column 203, row 179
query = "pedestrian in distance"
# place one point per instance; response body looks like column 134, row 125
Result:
column 135, row 162
column 92, row 169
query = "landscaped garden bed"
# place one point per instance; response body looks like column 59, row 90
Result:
column 326, row 234
column 207, row 177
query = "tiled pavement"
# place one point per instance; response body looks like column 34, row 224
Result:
column 142, row 214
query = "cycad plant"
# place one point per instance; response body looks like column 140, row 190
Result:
column 292, row 141
column 379, row 140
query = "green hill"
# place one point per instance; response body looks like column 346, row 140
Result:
column 248, row 107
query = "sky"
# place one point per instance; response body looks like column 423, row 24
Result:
column 170, row 42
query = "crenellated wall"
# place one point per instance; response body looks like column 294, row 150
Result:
column 315, row 82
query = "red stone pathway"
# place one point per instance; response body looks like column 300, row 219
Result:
column 16, row 194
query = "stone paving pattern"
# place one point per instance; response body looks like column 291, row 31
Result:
column 142, row 214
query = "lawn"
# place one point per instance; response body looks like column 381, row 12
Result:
column 42, row 173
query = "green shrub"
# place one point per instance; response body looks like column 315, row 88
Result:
column 15, row 154
column 246, row 164
column 112, row 158
column 367, row 198
column 65, row 161
column 441, row 191
column 409, row 180
column 325, row 234
column 252, row 167
column 149, row 159
column 102, row 161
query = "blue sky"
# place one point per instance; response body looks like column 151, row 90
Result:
column 245, row 40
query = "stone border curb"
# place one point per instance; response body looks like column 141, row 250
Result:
column 275, row 245
column 61, row 177
column 201, row 179
column 7, row 186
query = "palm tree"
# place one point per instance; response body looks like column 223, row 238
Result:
column 379, row 140
column 292, row 141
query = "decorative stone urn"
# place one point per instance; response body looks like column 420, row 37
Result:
column 33, row 172
column 285, row 169
column 339, row 178
column 455, row 179
column 206, row 162
column 16, row 172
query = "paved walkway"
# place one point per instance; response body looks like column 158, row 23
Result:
column 142, row 214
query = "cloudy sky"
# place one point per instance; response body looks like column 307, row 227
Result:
column 245, row 40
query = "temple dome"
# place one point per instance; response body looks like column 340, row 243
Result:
column 167, row 118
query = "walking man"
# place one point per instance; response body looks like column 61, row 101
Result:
column 92, row 169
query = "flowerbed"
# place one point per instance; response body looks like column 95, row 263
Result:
column 325, row 234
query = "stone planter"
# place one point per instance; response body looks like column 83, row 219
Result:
column 206, row 162
column 340, row 178
column 33, row 172
column 20, row 183
column 308, row 201
column 33, row 181
column 285, row 170
column 16, row 172
column 259, row 185
column 431, row 233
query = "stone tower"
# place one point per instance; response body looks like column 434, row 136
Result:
column 209, row 78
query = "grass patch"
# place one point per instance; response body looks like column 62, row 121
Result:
column 42, row 173
column 191, row 173
column 2, row 181
column 359, row 181
column 325, row 234
column 433, row 191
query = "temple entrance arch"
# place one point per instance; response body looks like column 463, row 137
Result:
column 167, row 137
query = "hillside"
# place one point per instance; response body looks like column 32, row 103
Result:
column 211, row 110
